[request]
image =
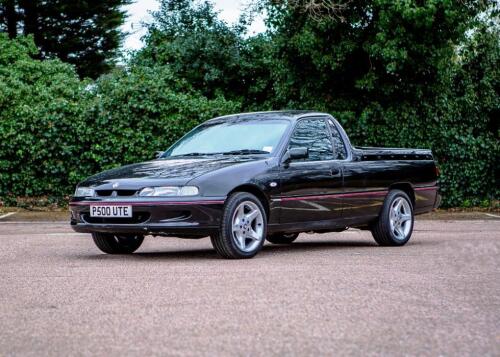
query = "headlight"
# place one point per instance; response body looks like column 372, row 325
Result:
column 169, row 191
column 84, row 192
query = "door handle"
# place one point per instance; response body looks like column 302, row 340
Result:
column 335, row 172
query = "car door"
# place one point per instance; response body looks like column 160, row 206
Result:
column 310, row 186
column 365, row 187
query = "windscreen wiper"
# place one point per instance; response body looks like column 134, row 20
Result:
column 245, row 152
column 198, row 154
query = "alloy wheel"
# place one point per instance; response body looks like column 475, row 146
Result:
column 400, row 218
column 247, row 226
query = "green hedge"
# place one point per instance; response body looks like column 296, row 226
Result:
column 43, row 106
column 56, row 130
column 139, row 112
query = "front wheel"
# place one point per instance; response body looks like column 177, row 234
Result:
column 243, row 227
column 394, row 225
column 117, row 244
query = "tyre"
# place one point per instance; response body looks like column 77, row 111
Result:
column 117, row 244
column 394, row 225
column 282, row 238
column 243, row 227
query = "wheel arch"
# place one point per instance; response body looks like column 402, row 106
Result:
column 407, row 188
column 257, row 192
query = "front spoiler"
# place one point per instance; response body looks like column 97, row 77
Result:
column 146, row 229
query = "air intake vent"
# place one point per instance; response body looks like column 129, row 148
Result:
column 138, row 217
column 115, row 193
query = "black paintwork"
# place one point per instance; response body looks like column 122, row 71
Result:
column 298, row 195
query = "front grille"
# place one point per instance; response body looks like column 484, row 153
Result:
column 115, row 193
column 137, row 217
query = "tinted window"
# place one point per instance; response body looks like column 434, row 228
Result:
column 340, row 151
column 312, row 134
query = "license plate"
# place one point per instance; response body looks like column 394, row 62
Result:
column 111, row 211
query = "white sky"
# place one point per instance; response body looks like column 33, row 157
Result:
column 229, row 10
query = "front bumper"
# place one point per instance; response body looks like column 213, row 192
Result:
column 188, row 218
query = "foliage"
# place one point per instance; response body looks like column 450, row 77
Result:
column 213, row 57
column 398, row 73
column 142, row 111
column 395, row 73
column 467, row 142
column 42, row 117
column 83, row 33
column 56, row 130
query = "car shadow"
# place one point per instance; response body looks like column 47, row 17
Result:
column 304, row 245
column 197, row 254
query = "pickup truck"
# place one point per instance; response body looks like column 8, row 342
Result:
column 246, row 178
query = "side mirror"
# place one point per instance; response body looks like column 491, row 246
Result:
column 158, row 154
column 296, row 154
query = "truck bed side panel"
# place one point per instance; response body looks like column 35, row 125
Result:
column 366, row 183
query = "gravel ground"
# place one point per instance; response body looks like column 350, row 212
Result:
column 330, row 294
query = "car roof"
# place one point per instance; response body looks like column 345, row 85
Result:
column 279, row 114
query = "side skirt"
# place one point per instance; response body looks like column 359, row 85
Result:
column 327, row 225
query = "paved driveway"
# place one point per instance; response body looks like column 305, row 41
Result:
column 331, row 294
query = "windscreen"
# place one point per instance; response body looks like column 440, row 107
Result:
column 248, row 136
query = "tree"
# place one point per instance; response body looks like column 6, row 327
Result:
column 84, row 33
column 392, row 72
column 213, row 57
column 56, row 129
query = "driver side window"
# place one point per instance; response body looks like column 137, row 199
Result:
column 313, row 134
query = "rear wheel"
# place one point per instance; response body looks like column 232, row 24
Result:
column 243, row 227
column 394, row 226
column 117, row 243
column 282, row 238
